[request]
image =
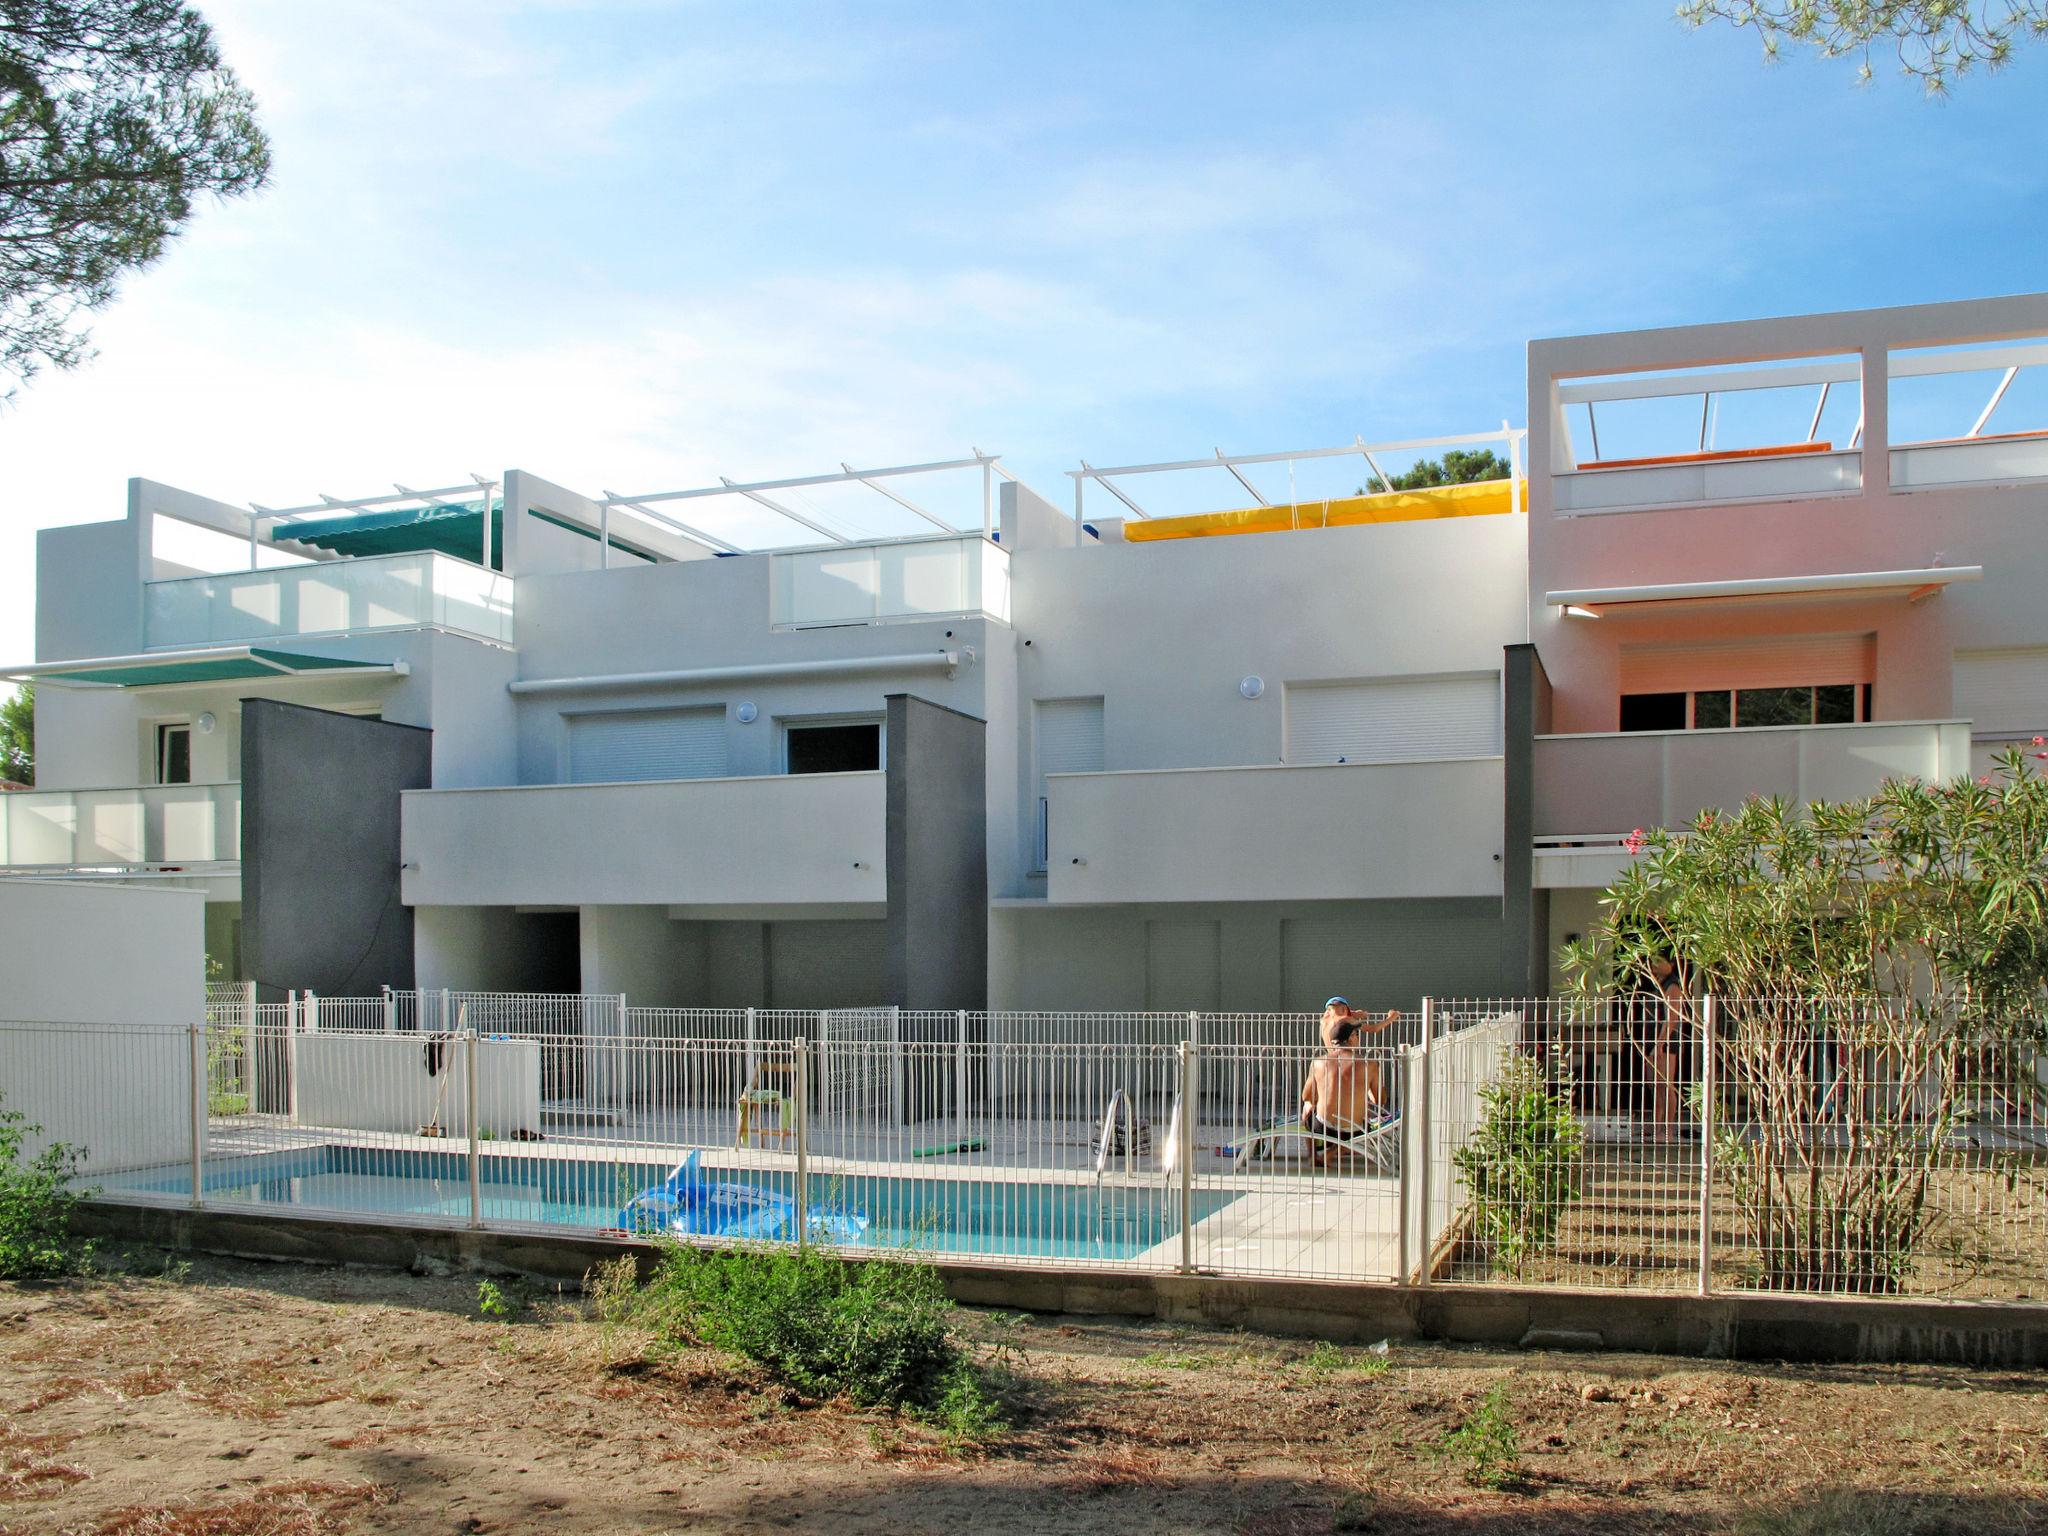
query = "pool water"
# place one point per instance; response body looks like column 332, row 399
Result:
column 940, row 1215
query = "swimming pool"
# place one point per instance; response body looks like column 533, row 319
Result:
column 939, row 1215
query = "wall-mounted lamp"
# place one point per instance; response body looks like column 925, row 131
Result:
column 1252, row 686
column 747, row 713
column 206, row 723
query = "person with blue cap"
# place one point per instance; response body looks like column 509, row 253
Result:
column 1341, row 1098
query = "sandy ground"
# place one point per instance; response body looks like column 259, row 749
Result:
column 230, row 1399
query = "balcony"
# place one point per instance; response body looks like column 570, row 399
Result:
column 802, row 840
column 890, row 582
column 408, row 591
column 180, row 825
column 1592, row 789
column 1334, row 832
column 1707, row 481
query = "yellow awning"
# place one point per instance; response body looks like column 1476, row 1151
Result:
column 1481, row 498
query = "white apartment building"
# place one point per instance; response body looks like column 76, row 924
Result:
column 829, row 741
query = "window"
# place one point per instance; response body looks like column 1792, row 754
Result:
column 1719, row 709
column 838, row 747
column 174, row 754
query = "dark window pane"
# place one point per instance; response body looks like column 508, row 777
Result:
column 834, row 748
column 1653, row 711
column 1866, row 715
column 174, row 754
column 1835, row 705
column 1774, row 706
column 1710, row 710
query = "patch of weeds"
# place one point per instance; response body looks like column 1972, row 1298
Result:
column 1485, row 1445
column 612, row 1290
column 491, row 1301
column 36, row 1199
column 1177, row 1359
column 284, row 1509
column 1327, row 1359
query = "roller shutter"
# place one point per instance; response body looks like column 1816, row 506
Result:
column 647, row 744
column 1778, row 661
column 2003, row 693
column 1394, row 720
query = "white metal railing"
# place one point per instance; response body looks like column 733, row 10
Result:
column 1594, row 1144
column 406, row 591
column 153, row 824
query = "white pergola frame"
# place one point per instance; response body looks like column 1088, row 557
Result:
column 1514, row 437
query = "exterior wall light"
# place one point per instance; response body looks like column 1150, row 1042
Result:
column 206, row 723
column 747, row 713
column 1252, row 686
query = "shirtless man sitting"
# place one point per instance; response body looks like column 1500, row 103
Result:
column 1341, row 1098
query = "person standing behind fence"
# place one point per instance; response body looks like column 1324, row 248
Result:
column 1353, row 1023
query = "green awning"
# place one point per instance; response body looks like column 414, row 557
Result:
column 220, row 664
column 452, row 528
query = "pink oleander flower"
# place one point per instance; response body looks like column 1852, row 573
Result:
column 1634, row 841
column 2041, row 741
column 1983, row 778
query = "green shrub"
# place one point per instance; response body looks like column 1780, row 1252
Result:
column 1486, row 1443
column 36, row 1199
column 879, row 1333
column 1522, row 1166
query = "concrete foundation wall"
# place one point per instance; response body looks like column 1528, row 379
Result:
column 1269, row 956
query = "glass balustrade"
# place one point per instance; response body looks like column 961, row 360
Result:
column 878, row 583
column 333, row 597
column 102, row 828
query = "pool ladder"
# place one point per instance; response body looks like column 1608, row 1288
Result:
column 1168, row 1154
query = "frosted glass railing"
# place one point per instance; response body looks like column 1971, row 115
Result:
column 1580, row 492
column 383, row 592
column 1969, row 461
column 101, row 828
column 879, row 583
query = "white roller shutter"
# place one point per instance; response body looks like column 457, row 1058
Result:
column 2003, row 693
column 1183, row 966
column 647, row 744
column 1776, row 661
column 1067, row 738
column 1394, row 719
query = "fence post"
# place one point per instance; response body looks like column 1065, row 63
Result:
column 623, row 1053
column 476, row 1173
column 291, row 1057
column 446, row 1012
column 312, row 1000
column 801, row 1100
column 196, row 1066
column 896, row 1112
column 960, row 1076
column 753, row 1044
column 390, row 1010
column 1184, row 1153
column 1426, row 1239
column 1709, row 1020
column 825, row 1060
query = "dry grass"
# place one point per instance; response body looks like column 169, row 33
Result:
column 303, row 1508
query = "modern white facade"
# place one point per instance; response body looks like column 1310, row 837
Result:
column 1238, row 759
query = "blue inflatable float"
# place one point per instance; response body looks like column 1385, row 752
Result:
column 687, row 1204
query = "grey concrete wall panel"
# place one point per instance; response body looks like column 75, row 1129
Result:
column 320, row 900
column 937, row 857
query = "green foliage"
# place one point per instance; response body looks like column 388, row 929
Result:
column 1458, row 466
column 491, row 1301
column 879, row 1333
column 18, row 736
column 1326, row 1359
column 114, row 116
column 1523, row 1164
column 1881, row 960
column 36, row 1200
column 1485, row 1444
column 1937, row 41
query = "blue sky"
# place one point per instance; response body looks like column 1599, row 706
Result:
column 638, row 245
